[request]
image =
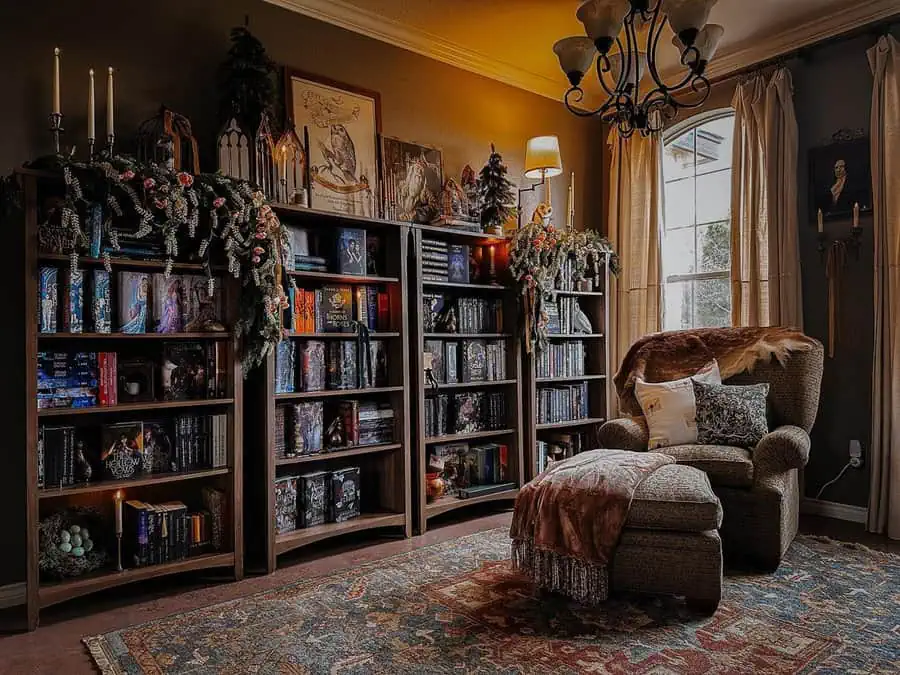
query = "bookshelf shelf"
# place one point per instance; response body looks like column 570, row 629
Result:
column 26, row 430
column 365, row 521
column 57, row 592
column 576, row 336
column 586, row 422
column 338, row 454
column 574, row 378
column 111, row 485
column 494, row 307
column 581, row 294
column 385, row 467
column 147, row 406
column 337, row 393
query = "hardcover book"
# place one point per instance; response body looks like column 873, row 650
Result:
column 158, row 457
column 312, row 489
column 73, row 301
column 343, row 371
column 168, row 303
column 48, row 299
column 312, row 365
column 281, row 433
column 122, row 450
column 285, row 359
column 451, row 353
column 467, row 412
column 184, row 371
column 434, row 359
column 336, row 308
column 351, row 251
column 202, row 311
column 134, row 289
column 308, row 423
column 458, row 263
column 101, row 305
column 474, row 361
column 285, row 504
column 432, row 308
column 374, row 372
column 345, row 494
column 374, row 255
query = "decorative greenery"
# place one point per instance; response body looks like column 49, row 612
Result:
column 537, row 255
column 246, row 81
column 496, row 193
column 198, row 213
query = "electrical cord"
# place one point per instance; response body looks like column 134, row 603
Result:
column 854, row 462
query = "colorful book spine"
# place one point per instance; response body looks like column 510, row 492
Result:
column 47, row 299
column 101, row 315
column 73, row 301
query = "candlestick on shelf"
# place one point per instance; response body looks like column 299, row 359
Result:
column 118, row 511
column 570, row 211
column 91, row 129
column 284, row 195
column 856, row 216
column 820, row 222
column 110, row 113
column 56, row 106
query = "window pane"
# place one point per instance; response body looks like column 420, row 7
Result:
column 714, row 141
column 678, row 252
column 678, row 157
column 714, row 243
column 679, row 305
column 714, row 196
column 712, row 303
column 679, row 198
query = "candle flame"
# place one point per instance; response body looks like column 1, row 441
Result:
column 56, row 51
column 91, row 72
column 118, row 495
column 110, row 70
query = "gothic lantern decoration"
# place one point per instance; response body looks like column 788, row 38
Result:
column 623, row 40
column 264, row 170
column 290, row 158
column 167, row 139
column 234, row 151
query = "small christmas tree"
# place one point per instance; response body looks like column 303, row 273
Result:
column 246, row 81
column 496, row 194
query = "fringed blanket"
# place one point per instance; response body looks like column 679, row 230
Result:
column 661, row 357
column 567, row 521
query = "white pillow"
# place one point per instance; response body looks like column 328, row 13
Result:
column 670, row 407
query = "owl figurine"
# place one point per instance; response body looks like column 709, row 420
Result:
column 341, row 157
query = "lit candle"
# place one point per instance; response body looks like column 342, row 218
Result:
column 118, row 499
column 820, row 222
column 92, row 134
column 56, row 108
column 855, row 215
column 284, row 161
column 110, row 105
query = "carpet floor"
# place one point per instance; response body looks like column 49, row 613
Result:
column 456, row 607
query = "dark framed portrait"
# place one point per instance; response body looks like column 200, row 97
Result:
column 840, row 176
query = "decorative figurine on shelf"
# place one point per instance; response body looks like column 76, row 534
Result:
column 469, row 183
column 334, row 435
column 83, row 469
column 291, row 156
column 234, row 151
column 265, row 172
column 495, row 194
column 543, row 215
column 168, row 140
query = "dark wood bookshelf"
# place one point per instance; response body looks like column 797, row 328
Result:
column 384, row 468
column 596, row 375
column 511, row 385
column 20, row 478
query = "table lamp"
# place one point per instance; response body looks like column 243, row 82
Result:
column 542, row 161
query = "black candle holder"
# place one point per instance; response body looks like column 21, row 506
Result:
column 56, row 129
column 110, row 145
column 852, row 242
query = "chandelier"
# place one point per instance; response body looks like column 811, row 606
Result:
column 623, row 36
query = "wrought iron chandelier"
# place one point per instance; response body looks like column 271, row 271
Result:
column 623, row 36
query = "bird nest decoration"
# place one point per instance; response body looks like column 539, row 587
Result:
column 71, row 543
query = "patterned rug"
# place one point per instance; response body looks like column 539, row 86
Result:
column 457, row 608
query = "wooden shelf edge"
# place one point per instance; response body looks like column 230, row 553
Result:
column 374, row 335
column 134, row 336
column 337, row 454
column 133, row 407
column 573, row 378
column 571, row 423
column 56, row 592
column 154, row 479
column 128, row 262
column 472, row 385
column 342, row 278
column 453, row 438
column 467, row 336
column 581, row 294
column 576, row 336
column 479, row 237
column 332, row 393
column 309, row 213
column 447, row 504
column 366, row 521
column 465, row 287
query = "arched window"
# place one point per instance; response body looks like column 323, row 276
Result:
column 696, row 232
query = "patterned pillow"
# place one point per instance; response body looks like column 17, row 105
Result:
column 728, row 414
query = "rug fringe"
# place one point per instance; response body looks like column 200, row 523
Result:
column 582, row 581
column 852, row 545
column 96, row 646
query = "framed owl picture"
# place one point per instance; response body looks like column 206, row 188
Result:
column 412, row 180
column 342, row 123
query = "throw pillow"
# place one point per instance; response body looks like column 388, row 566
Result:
column 670, row 409
column 729, row 414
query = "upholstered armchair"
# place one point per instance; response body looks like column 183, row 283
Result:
column 759, row 489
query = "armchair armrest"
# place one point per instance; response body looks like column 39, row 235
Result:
column 781, row 450
column 626, row 433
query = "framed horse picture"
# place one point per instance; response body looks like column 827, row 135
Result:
column 342, row 123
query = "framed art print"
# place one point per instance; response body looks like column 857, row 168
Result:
column 412, row 181
column 840, row 176
column 343, row 123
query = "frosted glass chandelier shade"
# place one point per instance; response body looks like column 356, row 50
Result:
column 602, row 20
column 575, row 56
column 615, row 68
column 687, row 17
column 542, row 157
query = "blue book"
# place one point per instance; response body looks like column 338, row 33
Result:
column 134, row 291
column 458, row 264
column 285, row 358
column 47, row 299
column 101, row 311
column 351, row 251
column 94, row 222
column 73, row 301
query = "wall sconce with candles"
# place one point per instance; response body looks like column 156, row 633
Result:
column 542, row 161
column 853, row 241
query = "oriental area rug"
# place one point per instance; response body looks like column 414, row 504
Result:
column 457, row 607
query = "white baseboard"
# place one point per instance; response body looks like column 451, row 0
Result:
column 820, row 507
column 12, row 595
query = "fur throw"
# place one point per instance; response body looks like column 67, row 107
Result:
column 662, row 357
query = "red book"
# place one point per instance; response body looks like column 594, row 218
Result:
column 384, row 311
column 112, row 382
column 309, row 306
column 504, row 471
column 102, row 394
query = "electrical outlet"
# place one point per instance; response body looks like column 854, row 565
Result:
column 856, row 458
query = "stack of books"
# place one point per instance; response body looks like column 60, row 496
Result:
column 310, row 263
column 561, row 359
column 67, row 380
column 367, row 422
column 435, row 260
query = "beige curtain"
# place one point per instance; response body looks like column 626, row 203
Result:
column 765, row 255
column 884, row 494
column 634, row 203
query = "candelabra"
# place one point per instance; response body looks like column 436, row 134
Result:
column 118, row 552
column 851, row 242
column 110, row 143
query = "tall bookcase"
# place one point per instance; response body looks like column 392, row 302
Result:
column 98, row 493
column 559, row 373
column 506, row 431
column 385, row 503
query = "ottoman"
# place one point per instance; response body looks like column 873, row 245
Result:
column 670, row 544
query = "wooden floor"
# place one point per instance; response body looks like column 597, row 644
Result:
column 56, row 646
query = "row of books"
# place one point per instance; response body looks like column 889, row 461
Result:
column 562, row 404
column 464, row 413
column 463, row 466
column 590, row 280
column 344, row 250
column 313, row 365
column 561, row 359
column 564, row 316
column 68, row 455
column 299, row 428
column 445, row 262
column 444, row 313
column 154, row 534
column 337, row 309
column 556, row 447
column 465, row 360
column 316, row 498
column 185, row 371
column 146, row 302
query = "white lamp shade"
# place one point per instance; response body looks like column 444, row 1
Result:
column 575, row 55
column 707, row 41
column 542, row 157
column 687, row 15
column 602, row 19
column 616, row 65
